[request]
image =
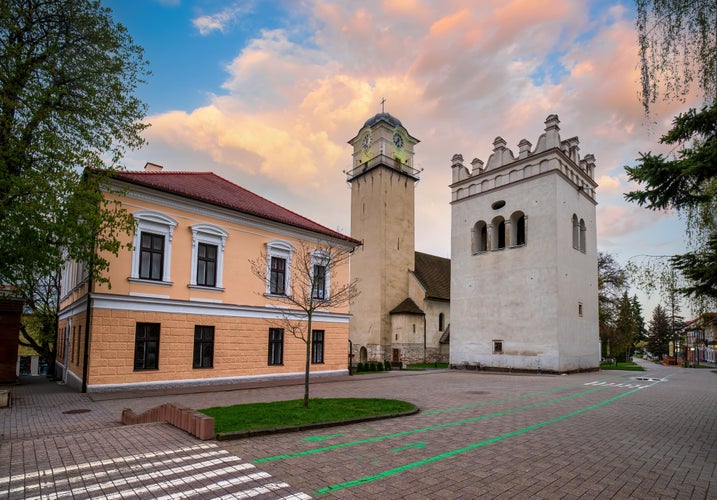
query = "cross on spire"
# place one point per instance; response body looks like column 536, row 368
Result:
column 383, row 100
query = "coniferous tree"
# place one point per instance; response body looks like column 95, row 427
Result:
column 659, row 332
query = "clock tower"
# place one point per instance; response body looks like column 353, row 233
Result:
column 382, row 180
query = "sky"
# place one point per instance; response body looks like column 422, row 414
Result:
column 267, row 94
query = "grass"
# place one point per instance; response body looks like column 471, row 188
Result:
column 622, row 365
column 255, row 416
column 424, row 366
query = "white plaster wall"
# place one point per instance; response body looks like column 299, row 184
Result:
column 525, row 296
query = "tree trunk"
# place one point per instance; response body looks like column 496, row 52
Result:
column 308, row 362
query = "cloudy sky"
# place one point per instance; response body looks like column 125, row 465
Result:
column 267, row 94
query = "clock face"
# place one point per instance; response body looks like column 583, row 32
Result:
column 366, row 141
column 398, row 140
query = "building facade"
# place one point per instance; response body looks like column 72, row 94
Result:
column 402, row 310
column 524, row 258
column 184, row 307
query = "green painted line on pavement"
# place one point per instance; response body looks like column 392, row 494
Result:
column 410, row 446
column 422, row 429
column 320, row 438
column 413, row 465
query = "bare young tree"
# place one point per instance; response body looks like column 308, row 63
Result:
column 314, row 285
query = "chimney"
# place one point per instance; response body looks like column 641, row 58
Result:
column 152, row 167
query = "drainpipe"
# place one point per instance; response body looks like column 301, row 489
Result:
column 86, row 354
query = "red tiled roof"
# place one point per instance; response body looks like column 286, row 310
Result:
column 210, row 188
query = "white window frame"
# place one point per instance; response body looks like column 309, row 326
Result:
column 150, row 221
column 211, row 235
column 282, row 250
column 322, row 258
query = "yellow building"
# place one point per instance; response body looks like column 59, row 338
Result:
column 183, row 306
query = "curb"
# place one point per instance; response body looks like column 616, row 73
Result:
column 228, row 436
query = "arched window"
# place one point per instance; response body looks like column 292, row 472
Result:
column 517, row 229
column 498, row 236
column 576, row 232
column 479, row 237
column 441, row 319
column 582, row 235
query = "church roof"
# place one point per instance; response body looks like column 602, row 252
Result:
column 387, row 117
column 434, row 274
column 210, row 188
column 408, row 306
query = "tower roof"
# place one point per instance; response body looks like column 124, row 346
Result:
column 387, row 117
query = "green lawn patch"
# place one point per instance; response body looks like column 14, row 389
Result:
column 282, row 414
column 425, row 366
column 622, row 365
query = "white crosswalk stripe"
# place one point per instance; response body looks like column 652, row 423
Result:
column 204, row 470
column 615, row 384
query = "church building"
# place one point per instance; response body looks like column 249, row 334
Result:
column 402, row 312
column 524, row 258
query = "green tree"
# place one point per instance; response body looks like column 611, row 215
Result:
column 67, row 82
column 68, row 74
column 687, row 183
column 641, row 331
column 659, row 332
column 612, row 281
column 678, row 50
column 314, row 284
column 625, row 331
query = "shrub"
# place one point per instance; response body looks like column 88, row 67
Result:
column 387, row 365
column 379, row 367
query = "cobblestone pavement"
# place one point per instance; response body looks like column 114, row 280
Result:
column 609, row 434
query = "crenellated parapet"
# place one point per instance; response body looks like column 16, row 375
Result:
column 551, row 154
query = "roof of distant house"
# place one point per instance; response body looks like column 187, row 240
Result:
column 210, row 188
column 434, row 273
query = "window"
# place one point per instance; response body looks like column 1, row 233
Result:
column 498, row 234
column 319, row 282
column 146, row 346
column 151, row 257
column 497, row 347
column 317, row 346
column 580, row 309
column 576, row 232
column 441, row 320
column 517, row 229
column 203, row 347
column 582, row 235
column 208, row 242
column 206, row 265
column 278, row 276
column 480, row 237
column 278, row 267
column 320, row 266
column 152, row 246
column 276, row 346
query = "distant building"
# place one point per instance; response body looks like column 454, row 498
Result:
column 702, row 339
column 403, row 311
column 184, row 307
column 524, row 258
